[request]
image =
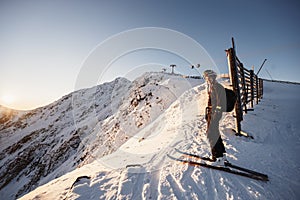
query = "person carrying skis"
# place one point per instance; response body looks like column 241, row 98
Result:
column 213, row 114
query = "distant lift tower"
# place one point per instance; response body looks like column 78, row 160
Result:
column 172, row 66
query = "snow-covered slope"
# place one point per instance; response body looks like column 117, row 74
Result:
column 43, row 144
column 140, row 169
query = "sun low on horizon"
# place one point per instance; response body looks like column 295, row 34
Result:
column 14, row 102
column 7, row 99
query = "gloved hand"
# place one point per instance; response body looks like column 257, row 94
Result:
column 217, row 115
column 207, row 113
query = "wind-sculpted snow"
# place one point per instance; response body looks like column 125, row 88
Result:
column 40, row 145
column 140, row 169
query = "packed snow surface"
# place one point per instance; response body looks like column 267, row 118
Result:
column 140, row 168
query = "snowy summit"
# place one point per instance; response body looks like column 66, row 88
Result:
column 112, row 141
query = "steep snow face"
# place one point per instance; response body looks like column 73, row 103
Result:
column 145, row 100
column 40, row 145
column 140, row 169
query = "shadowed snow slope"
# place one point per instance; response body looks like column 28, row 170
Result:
column 140, row 169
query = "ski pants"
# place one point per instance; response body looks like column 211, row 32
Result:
column 213, row 135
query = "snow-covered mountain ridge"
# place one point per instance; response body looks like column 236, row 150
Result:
column 140, row 169
column 40, row 145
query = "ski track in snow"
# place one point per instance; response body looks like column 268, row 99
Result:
column 274, row 126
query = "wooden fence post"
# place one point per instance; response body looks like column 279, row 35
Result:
column 247, row 92
column 236, row 88
column 256, row 86
column 262, row 87
column 244, row 93
column 252, row 87
column 259, row 90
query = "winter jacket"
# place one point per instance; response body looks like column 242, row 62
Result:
column 217, row 98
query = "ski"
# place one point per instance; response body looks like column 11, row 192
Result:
column 227, row 164
column 194, row 155
column 220, row 168
column 242, row 134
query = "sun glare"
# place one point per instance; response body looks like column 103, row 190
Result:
column 7, row 99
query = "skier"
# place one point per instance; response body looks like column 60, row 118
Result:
column 216, row 105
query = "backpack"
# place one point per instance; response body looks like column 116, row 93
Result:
column 230, row 99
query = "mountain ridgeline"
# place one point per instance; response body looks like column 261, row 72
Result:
column 40, row 145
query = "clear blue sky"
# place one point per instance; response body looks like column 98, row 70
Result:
column 45, row 43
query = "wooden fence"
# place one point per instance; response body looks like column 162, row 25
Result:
column 247, row 86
